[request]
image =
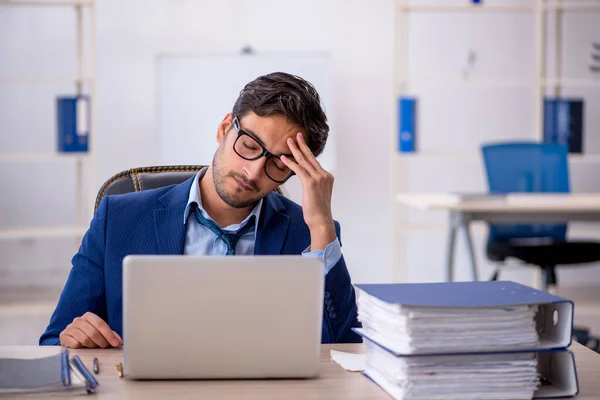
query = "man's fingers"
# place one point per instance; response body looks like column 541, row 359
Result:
column 93, row 334
column 79, row 335
column 89, row 331
column 102, row 327
column 309, row 154
column 298, row 170
column 301, row 158
column 68, row 340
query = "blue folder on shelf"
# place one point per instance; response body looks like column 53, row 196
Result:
column 563, row 123
column 407, row 110
column 73, row 123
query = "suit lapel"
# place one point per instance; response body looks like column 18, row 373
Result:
column 272, row 228
column 169, row 226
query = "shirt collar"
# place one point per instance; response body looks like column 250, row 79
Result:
column 194, row 197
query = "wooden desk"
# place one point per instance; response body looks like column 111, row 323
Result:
column 333, row 383
column 512, row 208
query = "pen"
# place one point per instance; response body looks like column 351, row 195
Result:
column 96, row 365
column 84, row 371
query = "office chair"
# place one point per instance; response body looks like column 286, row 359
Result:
column 534, row 167
column 144, row 178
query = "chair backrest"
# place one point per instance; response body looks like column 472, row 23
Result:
column 144, row 178
column 526, row 167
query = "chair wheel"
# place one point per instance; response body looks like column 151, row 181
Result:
column 591, row 342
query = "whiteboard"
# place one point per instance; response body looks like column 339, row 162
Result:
column 196, row 91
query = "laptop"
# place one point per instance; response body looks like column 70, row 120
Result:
column 222, row 317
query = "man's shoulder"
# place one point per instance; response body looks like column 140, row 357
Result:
column 139, row 201
column 144, row 195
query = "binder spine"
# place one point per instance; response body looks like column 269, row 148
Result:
column 407, row 124
column 554, row 323
column 73, row 123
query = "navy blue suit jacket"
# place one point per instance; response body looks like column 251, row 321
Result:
column 151, row 222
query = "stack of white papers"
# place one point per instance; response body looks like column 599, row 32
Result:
column 465, row 340
column 494, row 376
column 422, row 330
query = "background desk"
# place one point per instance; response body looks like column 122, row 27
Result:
column 522, row 208
column 333, row 383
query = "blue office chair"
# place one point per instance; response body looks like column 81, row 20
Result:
column 533, row 167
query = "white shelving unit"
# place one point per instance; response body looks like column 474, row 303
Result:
column 540, row 84
column 84, row 82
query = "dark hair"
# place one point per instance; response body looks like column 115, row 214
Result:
column 288, row 95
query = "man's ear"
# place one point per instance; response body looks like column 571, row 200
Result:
column 224, row 127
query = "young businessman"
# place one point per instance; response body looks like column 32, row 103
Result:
column 276, row 129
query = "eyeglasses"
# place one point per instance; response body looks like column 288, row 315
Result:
column 249, row 148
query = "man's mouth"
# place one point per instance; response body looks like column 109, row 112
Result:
column 243, row 184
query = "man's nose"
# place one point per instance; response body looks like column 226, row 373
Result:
column 255, row 168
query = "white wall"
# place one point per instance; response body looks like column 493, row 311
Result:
column 130, row 36
column 358, row 35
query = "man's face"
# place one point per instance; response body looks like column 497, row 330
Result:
column 242, row 183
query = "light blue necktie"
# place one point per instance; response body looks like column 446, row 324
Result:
column 230, row 239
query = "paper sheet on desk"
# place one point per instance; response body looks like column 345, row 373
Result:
column 350, row 361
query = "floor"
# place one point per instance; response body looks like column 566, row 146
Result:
column 25, row 312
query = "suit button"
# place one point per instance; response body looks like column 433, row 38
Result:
column 327, row 295
column 328, row 301
column 332, row 315
column 330, row 308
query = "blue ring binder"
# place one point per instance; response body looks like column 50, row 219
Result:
column 66, row 371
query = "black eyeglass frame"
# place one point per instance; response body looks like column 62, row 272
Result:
column 264, row 153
